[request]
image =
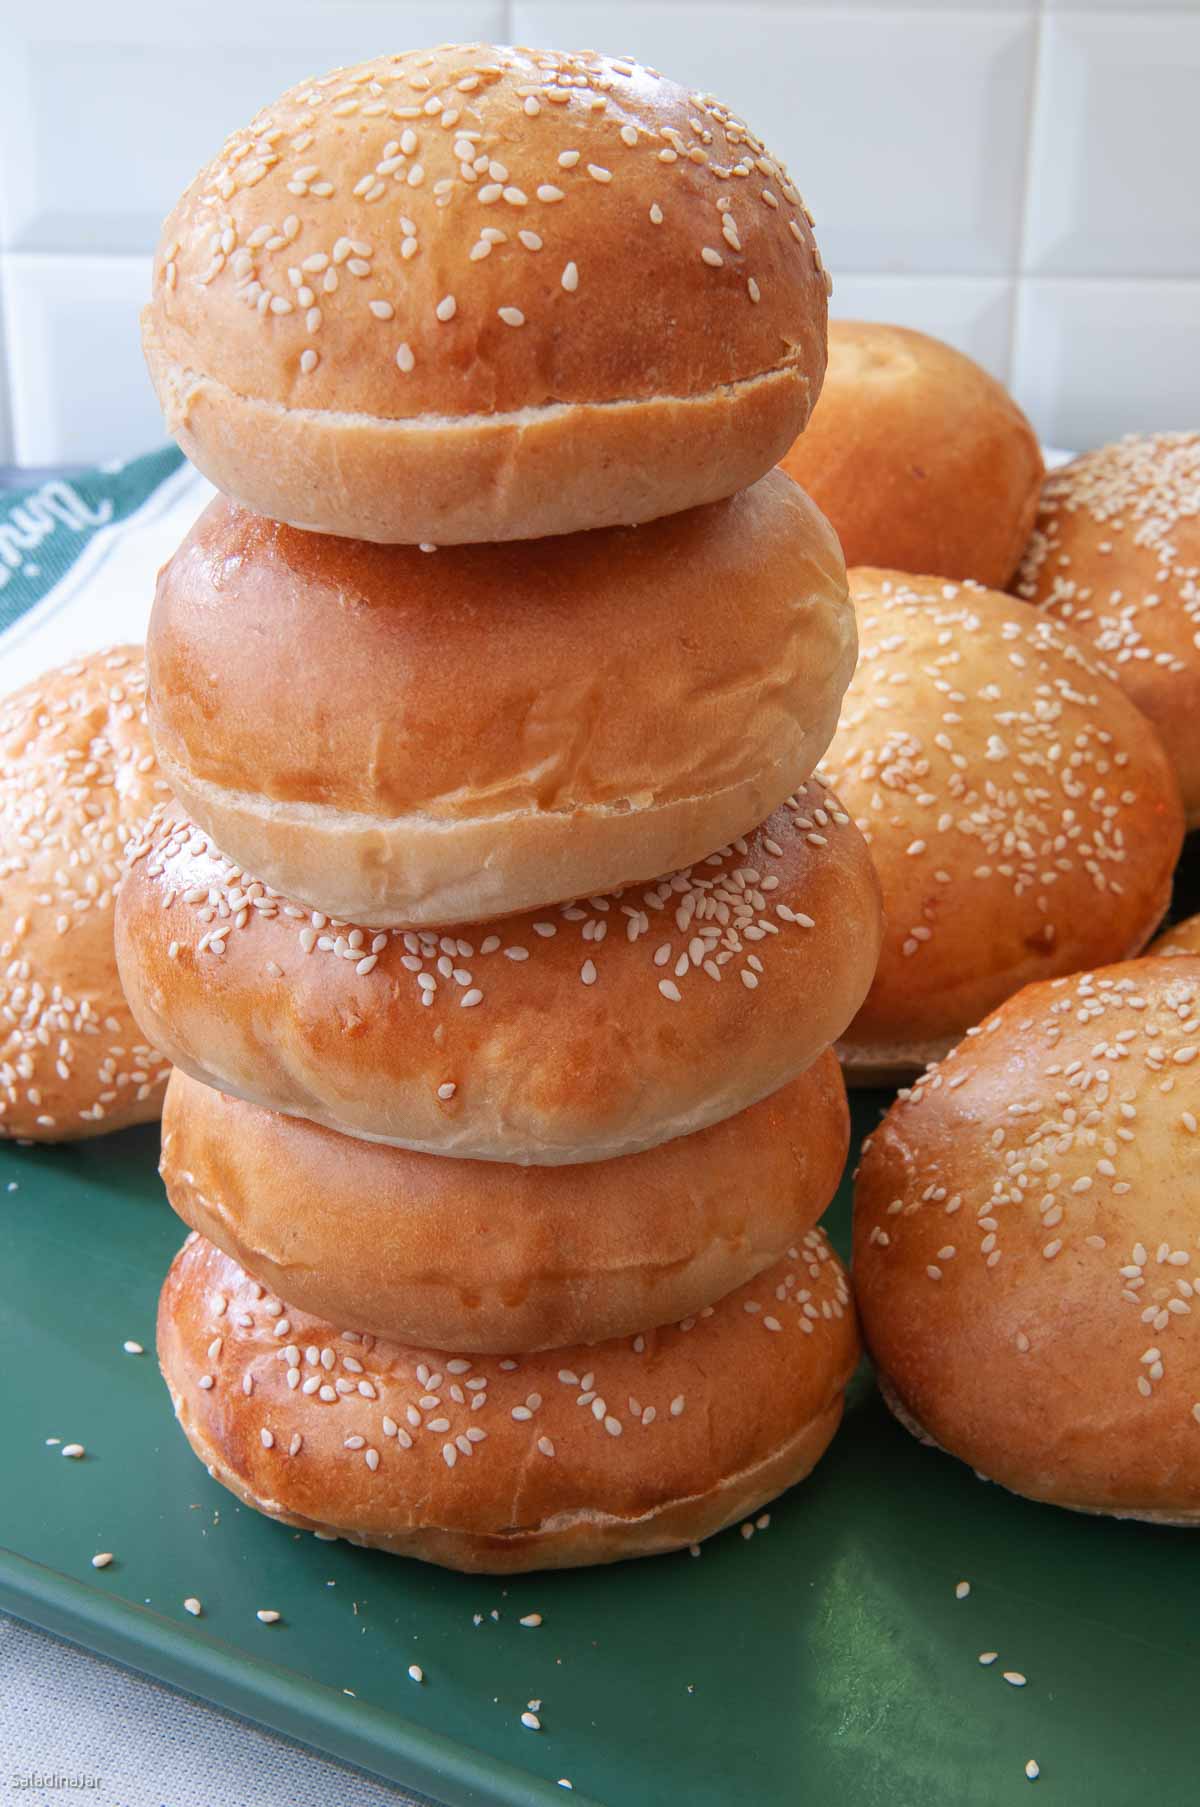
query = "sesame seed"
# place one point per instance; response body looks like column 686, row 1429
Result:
column 193, row 1606
column 511, row 316
column 446, row 309
column 1032, row 1770
column 962, row 1590
column 132, row 1348
column 267, row 1615
column 415, row 1672
column 1014, row 1678
column 531, row 1721
column 102, row 1559
column 988, row 1657
column 404, row 357
column 570, row 278
column 532, row 1618
column 73, row 1450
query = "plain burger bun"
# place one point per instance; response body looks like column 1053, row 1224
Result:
column 397, row 737
column 580, row 1033
column 1027, row 1247
column 477, row 1255
column 482, row 293
column 921, row 460
column 1021, row 812
column 77, row 778
column 500, row 1464
column 1116, row 554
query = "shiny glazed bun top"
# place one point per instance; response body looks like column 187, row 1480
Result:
column 920, row 458
column 1116, row 554
column 77, row 779
column 1021, row 813
column 570, row 248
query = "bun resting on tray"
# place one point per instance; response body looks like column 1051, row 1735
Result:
column 400, row 737
column 576, row 1033
column 77, row 778
column 1027, row 1245
column 922, row 461
column 477, row 1255
column 1115, row 554
column 1021, row 812
column 500, row 1464
column 484, row 293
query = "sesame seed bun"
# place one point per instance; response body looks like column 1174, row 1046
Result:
column 919, row 457
column 77, row 777
column 1026, row 1248
column 576, row 1456
column 1021, row 813
column 484, row 1255
column 1181, row 938
column 401, row 738
column 1116, row 554
column 482, row 293
column 592, row 1030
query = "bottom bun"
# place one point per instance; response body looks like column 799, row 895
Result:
column 498, row 1465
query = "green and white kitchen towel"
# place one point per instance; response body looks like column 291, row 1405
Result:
column 79, row 556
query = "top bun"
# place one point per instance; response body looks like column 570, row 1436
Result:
column 921, row 460
column 481, row 293
column 1116, row 553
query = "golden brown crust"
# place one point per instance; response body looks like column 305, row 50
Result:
column 1026, row 1251
column 482, row 1256
column 399, row 737
column 77, row 778
column 1181, row 938
column 1116, row 554
column 534, row 264
column 921, row 460
column 578, row 1034
column 1021, row 813
column 575, row 1456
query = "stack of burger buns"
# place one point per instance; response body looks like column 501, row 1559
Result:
column 501, row 930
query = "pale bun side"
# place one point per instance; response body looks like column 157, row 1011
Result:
column 921, row 460
column 1022, row 814
column 576, row 1456
column 1116, row 554
column 395, row 737
column 482, row 1256
column 484, row 293
column 77, row 779
column 578, row 1033
column 1026, row 1249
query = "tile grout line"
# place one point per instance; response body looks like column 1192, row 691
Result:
column 1028, row 176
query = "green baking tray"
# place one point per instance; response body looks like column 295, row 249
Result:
column 826, row 1658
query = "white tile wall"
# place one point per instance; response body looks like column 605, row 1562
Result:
column 1018, row 176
